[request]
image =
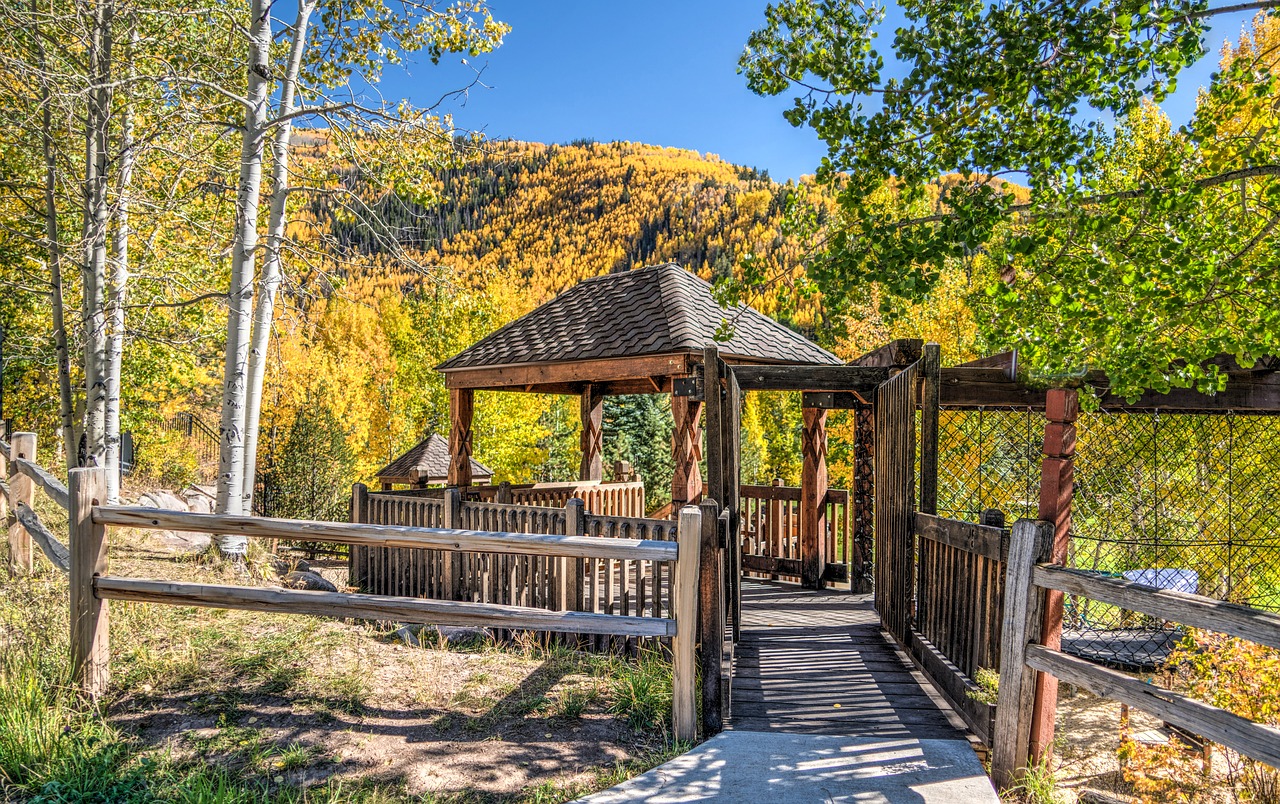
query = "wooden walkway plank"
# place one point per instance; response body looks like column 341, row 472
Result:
column 816, row 662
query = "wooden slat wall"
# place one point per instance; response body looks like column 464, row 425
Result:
column 770, row 528
column 637, row 588
column 895, row 429
column 960, row 590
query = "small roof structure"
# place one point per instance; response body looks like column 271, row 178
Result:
column 428, row 462
column 627, row 332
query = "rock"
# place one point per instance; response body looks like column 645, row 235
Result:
column 416, row 635
column 186, row 543
column 283, row 566
column 310, row 581
column 163, row 499
column 198, row 501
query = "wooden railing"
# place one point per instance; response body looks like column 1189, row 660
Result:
column 770, row 526
column 92, row 586
column 603, row 586
column 611, row 499
column 1022, row 655
column 959, row 609
column 18, row 465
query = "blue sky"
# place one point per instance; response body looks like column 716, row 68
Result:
column 660, row 71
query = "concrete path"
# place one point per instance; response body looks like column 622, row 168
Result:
column 780, row 768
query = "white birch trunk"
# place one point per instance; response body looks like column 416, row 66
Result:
column 269, row 282
column 116, row 293
column 230, row 497
column 97, row 215
column 62, row 355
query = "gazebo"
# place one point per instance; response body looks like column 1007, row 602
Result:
column 426, row 463
column 633, row 332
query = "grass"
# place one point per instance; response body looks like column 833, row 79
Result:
column 220, row 666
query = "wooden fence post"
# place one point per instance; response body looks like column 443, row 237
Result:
column 711, row 617
column 684, row 592
column 22, row 491
column 88, row 545
column 932, row 371
column 1057, row 480
column 454, row 581
column 1023, row 611
column 358, row 556
column 575, row 525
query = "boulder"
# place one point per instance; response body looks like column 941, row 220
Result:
column 415, row 635
column 163, row 499
column 311, row 581
column 186, row 543
column 198, row 500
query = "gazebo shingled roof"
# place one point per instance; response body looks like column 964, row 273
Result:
column 430, row 459
column 645, row 313
column 634, row 332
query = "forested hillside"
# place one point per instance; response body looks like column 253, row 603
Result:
column 519, row 223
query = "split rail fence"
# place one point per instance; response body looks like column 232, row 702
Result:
column 20, row 477
column 1029, row 580
column 92, row 585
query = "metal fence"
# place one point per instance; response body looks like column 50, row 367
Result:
column 1184, row 501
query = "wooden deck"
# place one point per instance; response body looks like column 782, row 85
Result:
column 817, row 663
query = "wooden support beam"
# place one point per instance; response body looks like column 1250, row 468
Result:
column 90, row 656
column 358, row 557
column 536, row 377
column 461, row 409
column 591, row 409
column 1057, row 478
column 686, row 450
column 862, row 499
column 22, row 491
column 813, row 496
column 711, row 618
column 931, row 371
column 810, row 378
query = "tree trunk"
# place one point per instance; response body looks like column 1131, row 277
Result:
column 269, row 282
column 116, row 292
column 231, row 454
column 62, row 357
column 96, row 218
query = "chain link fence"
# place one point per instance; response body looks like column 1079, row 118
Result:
column 1182, row 501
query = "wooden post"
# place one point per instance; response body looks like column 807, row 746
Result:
column 813, row 498
column 575, row 525
column 1024, row 608
column 504, row 492
column 711, row 618
column 932, row 371
column 454, row 580
column 461, row 408
column 22, row 491
column 686, row 449
column 714, row 404
column 88, row 546
column 863, row 497
column 684, row 593
column 358, row 557
column 1057, row 476
column 591, row 408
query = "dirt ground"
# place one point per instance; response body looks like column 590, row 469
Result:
column 300, row 701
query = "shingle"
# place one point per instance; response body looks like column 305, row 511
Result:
column 654, row 310
column 430, row 456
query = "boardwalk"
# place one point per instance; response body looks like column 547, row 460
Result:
column 816, row 663
column 823, row 711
